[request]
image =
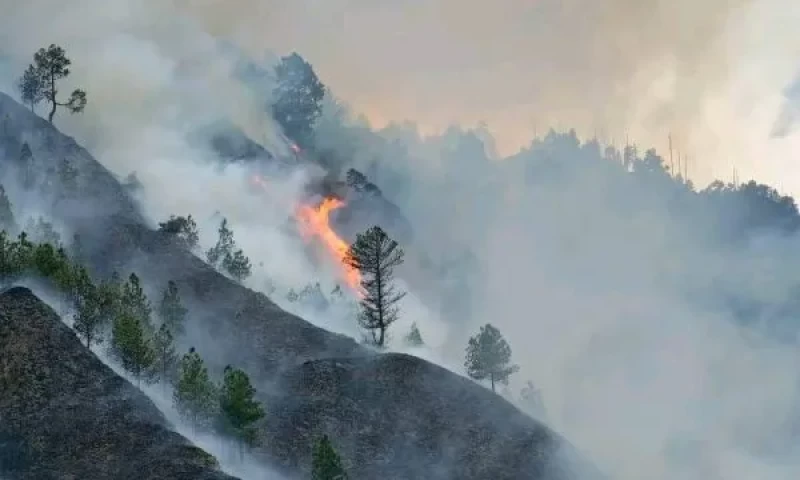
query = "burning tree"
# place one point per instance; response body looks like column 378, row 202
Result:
column 39, row 81
column 375, row 255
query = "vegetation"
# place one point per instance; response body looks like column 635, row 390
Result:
column 239, row 411
column 38, row 83
column 376, row 255
column 164, row 350
column 171, row 309
column 414, row 337
column 225, row 256
column 132, row 347
column 326, row 464
column 195, row 393
column 489, row 356
column 298, row 98
column 182, row 229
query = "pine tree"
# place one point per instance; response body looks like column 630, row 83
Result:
column 171, row 310
column 224, row 246
column 326, row 464
column 237, row 265
column 298, row 98
column 195, row 394
column 68, row 177
column 414, row 337
column 38, row 83
column 7, row 221
column 376, row 255
column 135, row 303
column 132, row 347
column 164, row 348
column 183, row 229
column 89, row 318
column 27, row 171
column 489, row 356
column 239, row 410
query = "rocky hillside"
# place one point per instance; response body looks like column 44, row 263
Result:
column 64, row 414
column 393, row 416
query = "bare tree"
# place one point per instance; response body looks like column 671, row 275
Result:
column 39, row 81
column 375, row 255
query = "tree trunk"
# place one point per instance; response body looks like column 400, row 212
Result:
column 52, row 97
column 491, row 376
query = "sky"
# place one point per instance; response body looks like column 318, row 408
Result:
column 710, row 73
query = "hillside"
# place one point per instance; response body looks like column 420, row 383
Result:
column 394, row 416
column 64, row 414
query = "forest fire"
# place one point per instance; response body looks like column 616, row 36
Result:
column 315, row 222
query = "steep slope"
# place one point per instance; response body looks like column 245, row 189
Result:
column 64, row 414
column 394, row 416
column 400, row 417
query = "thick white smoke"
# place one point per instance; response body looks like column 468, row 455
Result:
column 643, row 382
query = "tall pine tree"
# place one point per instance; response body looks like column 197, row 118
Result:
column 195, row 395
column 165, row 358
column 132, row 347
column 326, row 464
column 489, row 356
column 376, row 255
column 171, row 310
column 239, row 410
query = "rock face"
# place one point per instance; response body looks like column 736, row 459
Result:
column 392, row 416
column 66, row 415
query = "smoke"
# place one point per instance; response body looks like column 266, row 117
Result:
column 595, row 297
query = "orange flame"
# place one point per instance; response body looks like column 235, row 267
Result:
column 314, row 222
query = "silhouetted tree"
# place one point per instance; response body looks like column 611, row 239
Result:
column 297, row 98
column 183, row 229
column 7, row 221
column 164, row 348
column 224, row 246
column 414, row 337
column 237, row 265
column 38, row 83
column 26, row 171
column 171, row 309
column 325, row 462
column 489, row 356
column 239, row 410
column 376, row 255
column 134, row 302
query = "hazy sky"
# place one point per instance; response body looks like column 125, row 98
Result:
column 710, row 72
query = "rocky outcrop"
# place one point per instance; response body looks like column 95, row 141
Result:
column 64, row 414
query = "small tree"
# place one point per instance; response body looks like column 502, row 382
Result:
column 238, row 408
column 131, row 346
column 26, row 169
column 7, row 221
column 237, row 265
column 195, row 394
column 414, row 337
column 326, row 464
column 298, row 98
column 135, row 303
column 489, row 356
column 224, row 246
column 68, row 177
column 164, row 348
column 89, row 318
column 376, row 255
column 171, row 310
column 30, row 88
column 39, row 81
column 183, row 229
